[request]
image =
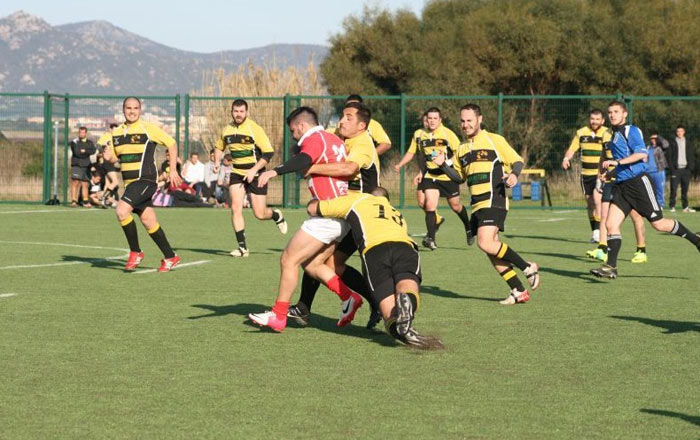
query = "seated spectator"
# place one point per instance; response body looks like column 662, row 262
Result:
column 221, row 193
column 211, row 177
column 166, row 196
column 194, row 174
column 96, row 190
column 164, row 178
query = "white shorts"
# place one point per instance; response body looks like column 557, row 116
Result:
column 326, row 230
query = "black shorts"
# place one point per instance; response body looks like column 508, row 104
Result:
column 638, row 194
column 138, row 194
column 588, row 184
column 607, row 192
column 252, row 187
column 447, row 188
column 109, row 167
column 347, row 245
column 388, row 263
column 79, row 173
column 488, row 217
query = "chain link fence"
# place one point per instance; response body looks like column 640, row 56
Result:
column 36, row 129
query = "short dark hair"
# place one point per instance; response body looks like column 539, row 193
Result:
column 380, row 192
column 618, row 103
column 363, row 112
column 228, row 157
column 473, row 107
column 433, row 110
column 131, row 97
column 352, row 98
column 113, row 125
column 595, row 111
column 239, row 103
column 305, row 112
column 680, row 126
column 82, row 128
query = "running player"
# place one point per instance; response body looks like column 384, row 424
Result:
column 251, row 150
column 391, row 264
column 315, row 241
column 590, row 140
column 418, row 178
column 632, row 189
column 134, row 145
column 435, row 183
column 488, row 164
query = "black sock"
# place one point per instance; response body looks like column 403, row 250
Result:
column 614, row 244
column 505, row 253
column 642, row 249
column 275, row 216
column 159, row 237
column 682, row 231
column 354, row 280
column 309, row 286
column 431, row 223
column 464, row 216
column 595, row 223
column 132, row 236
column 240, row 237
column 511, row 278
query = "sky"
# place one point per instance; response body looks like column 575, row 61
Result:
column 212, row 25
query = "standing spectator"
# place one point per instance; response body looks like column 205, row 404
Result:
column 193, row 173
column 682, row 163
column 656, row 166
column 81, row 148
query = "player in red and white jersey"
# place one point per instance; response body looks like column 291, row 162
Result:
column 314, row 243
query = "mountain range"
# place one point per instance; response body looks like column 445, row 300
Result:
column 96, row 57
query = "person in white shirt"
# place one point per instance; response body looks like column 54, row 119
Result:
column 193, row 173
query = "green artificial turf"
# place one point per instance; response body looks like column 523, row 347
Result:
column 88, row 351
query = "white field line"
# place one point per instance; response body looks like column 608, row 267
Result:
column 7, row 295
column 67, row 263
column 552, row 220
column 193, row 263
column 49, row 210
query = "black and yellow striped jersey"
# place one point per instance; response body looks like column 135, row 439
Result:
column 135, row 147
column 372, row 219
column 361, row 151
column 375, row 130
column 246, row 143
column 591, row 144
column 441, row 140
column 484, row 160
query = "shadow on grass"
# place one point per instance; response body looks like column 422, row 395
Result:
column 434, row 290
column 205, row 251
column 695, row 420
column 545, row 237
column 96, row 262
column 585, row 276
column 319, row 322
column 670, row 326
column 565, row 256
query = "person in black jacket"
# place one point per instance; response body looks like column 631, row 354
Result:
column 81, row 148
column 682, row 164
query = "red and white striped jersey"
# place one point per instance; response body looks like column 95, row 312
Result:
column 324, row 147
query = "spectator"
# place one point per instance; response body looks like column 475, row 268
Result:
column 81, row 148
column 211, row 177
column 165, row 177
column 221, row 193
column 97, row 192
column 193, row 173
column 682, row 164
column 656, row 166
column 165, row 197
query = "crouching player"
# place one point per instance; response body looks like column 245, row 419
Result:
column 391, row 265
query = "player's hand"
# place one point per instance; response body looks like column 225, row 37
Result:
column 439, row 158
column 397, row 168
column 175, row 179
column 265, row 177
column 417, row 179
column 610, row 163
column 599, row 185
column 511, row 179
column 566, row 164
column 250, row 175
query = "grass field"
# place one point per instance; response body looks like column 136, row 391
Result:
column 88, row 351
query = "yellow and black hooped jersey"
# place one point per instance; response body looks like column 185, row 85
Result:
column 135, row 147
column 591, row 144
column 372, row 219
column 246, row 143
column 484, row 160
column 361, row 151
column 441, row 140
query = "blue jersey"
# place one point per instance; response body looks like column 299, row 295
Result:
column 627, row 140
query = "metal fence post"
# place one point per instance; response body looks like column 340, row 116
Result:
column 186, row 140
column 402, row 172
column 295, row 176
column 285, row 151
column 46, row 168
column 177, row 122
column 500, row 113
column 66, row 133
